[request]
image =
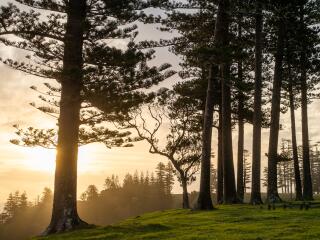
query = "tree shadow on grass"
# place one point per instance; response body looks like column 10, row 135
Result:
column 122, row 232
column 138, row 228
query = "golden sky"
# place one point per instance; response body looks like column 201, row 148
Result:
column 32, row 169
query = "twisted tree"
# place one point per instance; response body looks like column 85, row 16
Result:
column 183, row 138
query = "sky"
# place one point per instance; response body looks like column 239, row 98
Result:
column 32, row 169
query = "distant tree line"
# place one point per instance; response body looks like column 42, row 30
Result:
column 138, row 193
column 21, row 218
column 286, row 176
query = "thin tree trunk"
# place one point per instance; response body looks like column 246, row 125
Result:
column 204, row 201
column 245, row 182
column 257, row 115
column 220, row 161
column 297, row 176
column 229, row 190
column 307, row 182
column 240, row 179
column 64, row 214
column 185, row 195
column 272, row 193
column 285, row 173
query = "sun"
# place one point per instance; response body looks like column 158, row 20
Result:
column 41, row 159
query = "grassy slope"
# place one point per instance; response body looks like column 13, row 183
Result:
column 228, row 222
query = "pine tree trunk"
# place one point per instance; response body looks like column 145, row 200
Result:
column 272, row 193
column 222, row 41
column 64, row 213
column 220, row 161
column 220, row 38
column 185, row 195
column 257, row 114
column 240, row 179
column 244, row 182
column 229, row 190
column 204, row 201
column 297, row 176
column 307, row 182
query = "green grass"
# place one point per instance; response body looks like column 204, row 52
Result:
column 227, row 222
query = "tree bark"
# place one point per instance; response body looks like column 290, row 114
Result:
column 257, row 114
column 222, row 42
column 204, row 201
column 240, row 179
column 185, row 195
column 64, row 214
column 220, row 161
column 229, row 190
column 307, row 182
column 297, row 176
column 272, row 193
column 221, row 39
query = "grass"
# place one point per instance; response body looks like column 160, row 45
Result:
column 241, row 222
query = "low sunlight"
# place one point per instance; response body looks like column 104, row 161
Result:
column 42, row 159
column 39, row 159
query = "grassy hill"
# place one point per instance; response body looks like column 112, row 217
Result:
column 227, row 222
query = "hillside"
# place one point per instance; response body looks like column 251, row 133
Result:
column 227, row 222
